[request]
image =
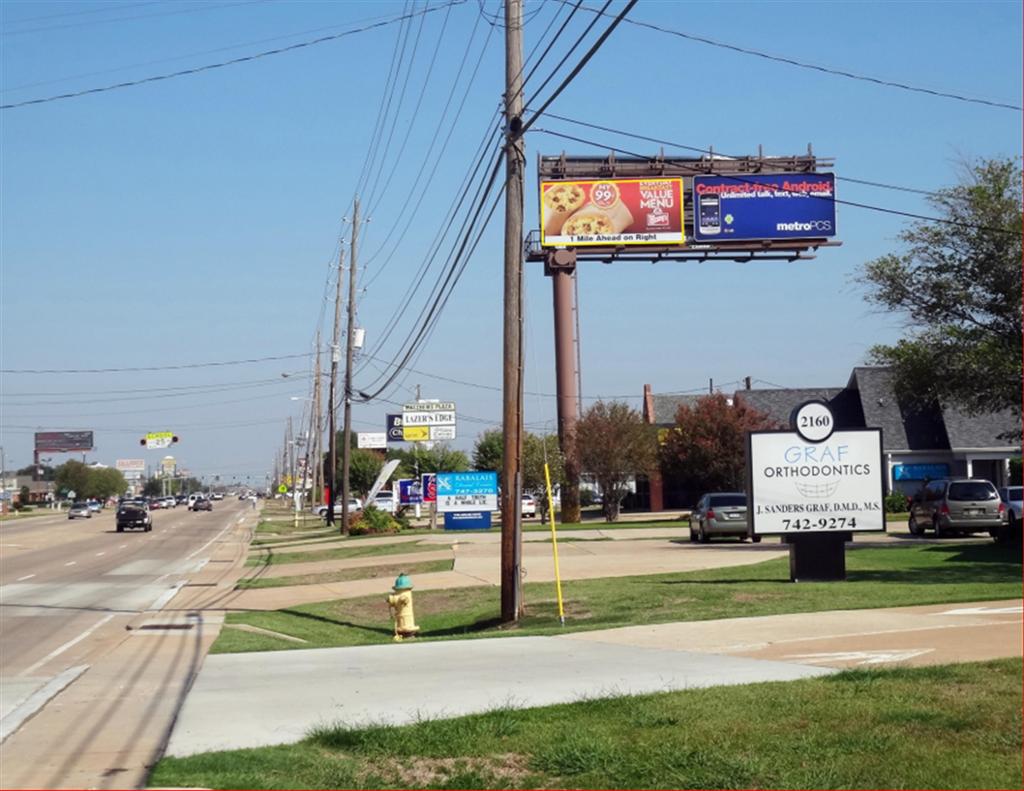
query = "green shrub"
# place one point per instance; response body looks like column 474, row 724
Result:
column 373, row 521
column 896, row 503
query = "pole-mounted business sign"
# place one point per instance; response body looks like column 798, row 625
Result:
column 155, row 440
column 424, row 421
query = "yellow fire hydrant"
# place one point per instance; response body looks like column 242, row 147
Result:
column 400, row 604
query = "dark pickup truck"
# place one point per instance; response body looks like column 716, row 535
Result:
column 133, row 513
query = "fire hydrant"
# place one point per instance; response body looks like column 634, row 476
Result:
column 400, row 604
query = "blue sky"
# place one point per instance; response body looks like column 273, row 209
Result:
column 195, row 219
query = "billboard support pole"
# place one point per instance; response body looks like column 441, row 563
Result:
column 561, row 268
column 512, row 419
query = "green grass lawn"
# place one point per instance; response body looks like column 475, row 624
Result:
column 264, row 556
column 877, row 577
column 949, row 726
column 386, row 570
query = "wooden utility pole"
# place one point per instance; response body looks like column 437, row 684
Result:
column 315, row 465
column 332, row 439
column 512, row 415
column 346, row 451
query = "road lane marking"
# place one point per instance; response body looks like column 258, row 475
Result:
column 984, row 610
column 122, row 546
column 100, row 554
column 28, row 671
column 71, row 563
column 26, row 577
column 216, row 537
column 38, row 699
column 862, row 657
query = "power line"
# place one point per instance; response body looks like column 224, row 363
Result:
column 152, row 367
column 76, row 25
column 740, row 179
column 812, row 66
column 232, row 62
column 119, row 7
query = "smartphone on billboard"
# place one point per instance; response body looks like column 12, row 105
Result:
column 709, row 215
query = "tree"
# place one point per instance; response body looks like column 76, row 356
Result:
column 44, row 471
column 536, row 450
column 72, row 476
column 959, row 286
column 488, row 451
column 439, row 458
column 614, row 445
column 105, row 482
column 364, row 467
column 706, row 449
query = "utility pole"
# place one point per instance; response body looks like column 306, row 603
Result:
column 332, row 438
column 512, row 416
column 317, row 461
column 346, row 451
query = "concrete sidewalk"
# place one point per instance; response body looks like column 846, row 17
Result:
column 268, row 698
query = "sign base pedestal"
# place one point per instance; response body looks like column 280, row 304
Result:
column 817, row 557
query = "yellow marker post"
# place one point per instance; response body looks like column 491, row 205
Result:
column 554, row 544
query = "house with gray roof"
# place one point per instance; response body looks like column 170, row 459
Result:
column 919, row 444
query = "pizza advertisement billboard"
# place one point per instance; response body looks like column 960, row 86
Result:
column 612, row 212
column 758, row 206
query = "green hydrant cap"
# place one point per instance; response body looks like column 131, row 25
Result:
column 403, row 583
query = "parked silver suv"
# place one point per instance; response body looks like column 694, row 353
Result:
column 957, row 505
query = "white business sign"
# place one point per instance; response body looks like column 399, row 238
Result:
column 371, row 439
column 429, row 406
column 130, row 465
column 132, row 475
column 833, row 485
column 442, row 433
column 428, row 419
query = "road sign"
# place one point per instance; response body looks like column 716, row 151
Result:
column 394, row 428
column 467, row 491
column 371, row 439
column 415, row 433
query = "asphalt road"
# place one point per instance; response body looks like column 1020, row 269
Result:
column 73, row 595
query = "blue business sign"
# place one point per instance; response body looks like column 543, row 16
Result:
column 409, row 492
column 468, row 520
column 394, row 428
column 755, row 206
column 919, row 472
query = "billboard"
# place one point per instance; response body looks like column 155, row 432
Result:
column 371, row 439
column 634, row 211
column 130, row 465
column 467, row 491
column 799, row 486
column 757, row 206
column 63, row 441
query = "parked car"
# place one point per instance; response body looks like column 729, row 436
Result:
column 528, row 505
column 354, row 506
column 385, row 501
column 957, row 505
column 1011, row 497
column 133, row 513
column 79, row 510
column 202, row 504
column 720, row 514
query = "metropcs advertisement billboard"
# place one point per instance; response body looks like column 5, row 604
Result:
column 612, row 212
column 755, row 206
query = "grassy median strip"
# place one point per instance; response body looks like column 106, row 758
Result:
column 877, row 577
column 948, row 726
column 387, row 571
column 268, row 557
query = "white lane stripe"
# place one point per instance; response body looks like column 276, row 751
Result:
column 166, row 596
column 28, row 671
column 122, row 546
column 37, row 700
column 215, row 538
column 26, row 577
column 71, row 563
column 100, row 554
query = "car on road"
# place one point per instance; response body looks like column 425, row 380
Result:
column 202, row 504
column 79, row 510
column 354, row 506
column 957, row 505
column 216, row 496
column 1011, row 497
column 720, row 514
column 528, row 505
column 133, row 514
column 169, row 502
column 95, row 506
